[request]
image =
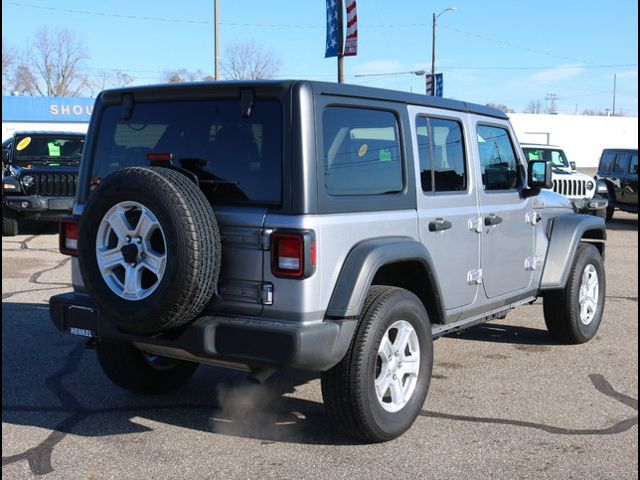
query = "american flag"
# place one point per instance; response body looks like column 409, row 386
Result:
column 351, row 43
column 430, row 87
column 332, row 29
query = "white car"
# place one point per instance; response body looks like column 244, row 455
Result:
column 586, row 194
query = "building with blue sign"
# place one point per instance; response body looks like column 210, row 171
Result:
column 62, row 114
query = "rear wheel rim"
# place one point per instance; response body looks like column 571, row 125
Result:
column 397, row 366
column 588, row 294
column 131, row 250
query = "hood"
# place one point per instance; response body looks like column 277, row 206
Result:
column 551, row 199
column 566, row 174
column 25, row 169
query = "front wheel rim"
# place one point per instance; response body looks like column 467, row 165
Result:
column 397, row 366
column 588, row 294
column 131, row 250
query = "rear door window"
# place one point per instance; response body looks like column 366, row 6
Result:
column 633, row 165
column 620, row 165
column 237, row 159
column 441, row 155
column 361, row 152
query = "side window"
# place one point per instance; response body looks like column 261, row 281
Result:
column 362, row 154
column 497, row 159
column 441, row 153
column 606, row 161
column 620, row 166
column 633, row 165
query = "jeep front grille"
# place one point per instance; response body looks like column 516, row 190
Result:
column 54, row 184
column 570, row 188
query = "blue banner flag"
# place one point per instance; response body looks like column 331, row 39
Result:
column 332, row 29
column 439, row 85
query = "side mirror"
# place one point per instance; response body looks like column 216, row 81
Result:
column 573, row 166
column 539, row 175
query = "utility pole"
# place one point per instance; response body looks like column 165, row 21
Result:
column 340, row 43
column 433, row 47
column 613, row 109
column 551, row 97
column 216, row 42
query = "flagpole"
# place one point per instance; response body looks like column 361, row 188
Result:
column 340, row 43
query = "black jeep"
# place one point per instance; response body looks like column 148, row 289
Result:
column 39, row 176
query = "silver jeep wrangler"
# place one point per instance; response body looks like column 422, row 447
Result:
column 315, row 226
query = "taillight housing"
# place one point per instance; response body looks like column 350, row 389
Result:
column 293, row 253
column 69, row 236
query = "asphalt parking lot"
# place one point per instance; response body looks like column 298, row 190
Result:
column 505, row 400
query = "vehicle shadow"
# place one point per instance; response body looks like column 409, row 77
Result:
column 618, row 223
column 52, row 381
column 501, row 333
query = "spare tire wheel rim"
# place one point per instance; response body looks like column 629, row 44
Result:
column 397, row 366
column 131, row 250
column 588, row 294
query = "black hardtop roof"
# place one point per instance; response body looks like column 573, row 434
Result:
column 322, row 88
column 48, row 132
column 620, row 150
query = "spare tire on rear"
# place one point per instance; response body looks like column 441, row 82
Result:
column 149, row 249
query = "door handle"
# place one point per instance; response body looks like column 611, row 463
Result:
column 439, row 225
column 492, row 220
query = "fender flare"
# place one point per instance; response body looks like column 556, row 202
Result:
column 363, row 262
column 566, row 233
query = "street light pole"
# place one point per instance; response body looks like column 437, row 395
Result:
column 433, row 38
column 216, row 41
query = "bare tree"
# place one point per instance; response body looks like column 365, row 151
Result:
column 8, row 64
column 24, row 82
column 534, row 106
column 183, row 75
column 110, row 79
column 56, row 63
column 500, row 106
column 248, row 61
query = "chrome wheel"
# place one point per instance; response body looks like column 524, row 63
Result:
column 588, row 295
column 131, row 250
column 397, row 366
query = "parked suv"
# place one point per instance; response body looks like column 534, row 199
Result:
column 585, row 193
column 39, row 177
column 618, row 168
column 316, row 226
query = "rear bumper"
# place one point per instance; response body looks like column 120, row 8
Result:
column 590, row 204
column 252, row 342
column 39, row 205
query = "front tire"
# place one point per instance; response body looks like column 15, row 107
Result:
column 574, row 313
column 9, row 222
column 376, row 392
column 609, row 214
column 134, row 370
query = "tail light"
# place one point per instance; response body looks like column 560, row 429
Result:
column 293, row 254
column 69, row 236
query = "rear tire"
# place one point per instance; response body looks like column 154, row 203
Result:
column 9, row 222
column 133, row 370
column 353, row 391
column 574, row 313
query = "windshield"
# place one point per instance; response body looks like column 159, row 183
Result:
column 47, row 149
column 556, row 157
column 237, row 158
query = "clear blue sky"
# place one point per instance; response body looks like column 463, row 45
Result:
column 505, row 51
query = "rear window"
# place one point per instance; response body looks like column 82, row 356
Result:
column 361, row 152
column 237, row 159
